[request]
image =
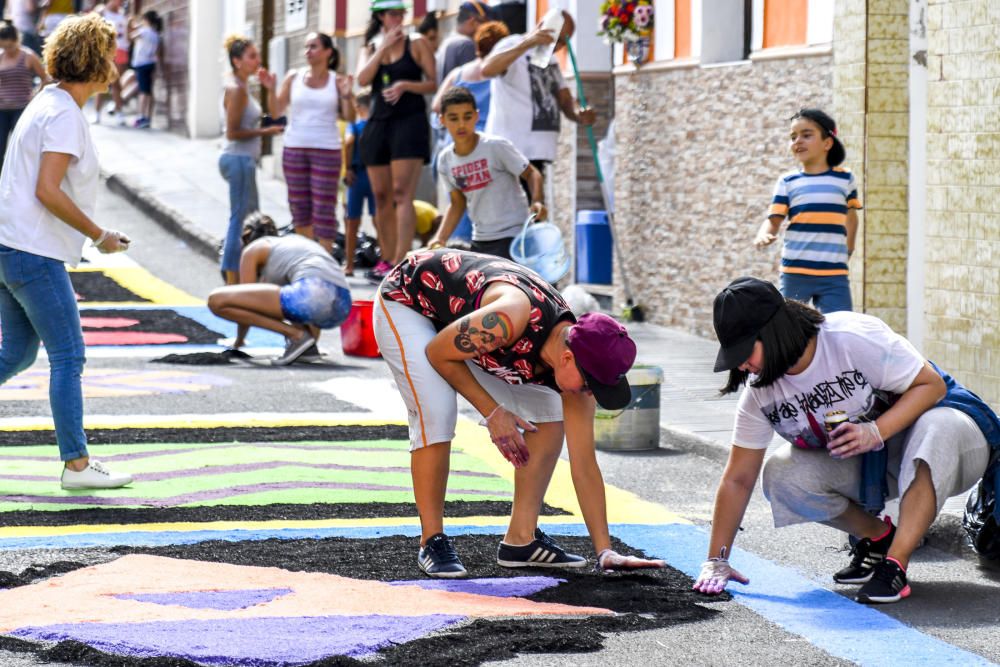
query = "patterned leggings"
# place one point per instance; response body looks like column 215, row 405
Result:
column 312, row 175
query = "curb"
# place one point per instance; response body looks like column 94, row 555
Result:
column 166, row 216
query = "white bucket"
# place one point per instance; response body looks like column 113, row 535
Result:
column 637, row 426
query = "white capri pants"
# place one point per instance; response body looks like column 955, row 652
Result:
column 431, row 403
column 806, row 485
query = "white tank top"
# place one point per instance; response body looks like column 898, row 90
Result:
column 312, row 114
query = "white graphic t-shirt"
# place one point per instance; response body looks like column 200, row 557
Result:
column 524, row 107
column 489, row 178
column 861, row 366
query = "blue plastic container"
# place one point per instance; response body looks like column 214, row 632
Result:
column 593, row 248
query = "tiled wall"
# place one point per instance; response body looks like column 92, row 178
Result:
column 963, row 195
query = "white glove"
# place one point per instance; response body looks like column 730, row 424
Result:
column 715, row 574
column 111, row 241
column 850, row 439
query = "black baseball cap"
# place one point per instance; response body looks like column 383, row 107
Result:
column 837, row 153
column 740, row 311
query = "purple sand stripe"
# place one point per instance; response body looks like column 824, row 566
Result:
column 257, row 642
column 153, row 453
column 219, row 494
column 28, row 478
column 224, row 600
column 501, row 587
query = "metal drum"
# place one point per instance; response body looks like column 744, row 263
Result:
column 637, row 426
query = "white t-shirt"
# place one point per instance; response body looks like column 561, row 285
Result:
column 51, row 123
column 489, row 177
column 145, row 46
column 524, row 107
column 860, row 367
column 120, row 22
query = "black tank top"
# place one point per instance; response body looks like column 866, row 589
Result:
column 404, row 69
column 445, row 285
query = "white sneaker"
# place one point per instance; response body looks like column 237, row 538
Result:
column 94, row 476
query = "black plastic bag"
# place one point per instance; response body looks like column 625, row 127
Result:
column 367, row 253
column 980, row 521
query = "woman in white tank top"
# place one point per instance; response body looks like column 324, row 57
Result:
column 314, row 97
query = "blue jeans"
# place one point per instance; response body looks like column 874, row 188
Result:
column 241, row 173
column 827, row 293
column 37, row 302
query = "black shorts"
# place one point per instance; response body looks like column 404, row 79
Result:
column 499, row 247
column 144, row 78
column 407, row 137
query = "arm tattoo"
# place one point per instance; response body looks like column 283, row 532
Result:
column 496, row 331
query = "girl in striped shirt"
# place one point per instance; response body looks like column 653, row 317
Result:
column 820, row 201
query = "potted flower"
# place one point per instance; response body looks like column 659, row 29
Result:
column 629, row 22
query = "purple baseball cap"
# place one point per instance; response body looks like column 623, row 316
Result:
column 604, row 353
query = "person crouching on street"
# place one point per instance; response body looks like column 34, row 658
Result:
column 288, row 284
column 482, row 173
column 48, row 199
column 456, row 322
column 866, row 417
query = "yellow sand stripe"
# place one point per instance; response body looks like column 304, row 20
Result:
column 623, row 506
column 144, row 284
column 317, row 524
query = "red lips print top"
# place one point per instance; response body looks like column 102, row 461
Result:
column 445, row 285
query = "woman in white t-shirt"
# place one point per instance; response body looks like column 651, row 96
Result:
column 48, row 196
column 113, row 12
column 865, row 417
column 315, row 97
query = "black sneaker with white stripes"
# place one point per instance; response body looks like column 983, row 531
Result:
column 866, row 555
column 541, row 552
column 888, row 584
column 438, row 558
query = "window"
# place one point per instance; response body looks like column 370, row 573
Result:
column 295, row 15
column 726, row 30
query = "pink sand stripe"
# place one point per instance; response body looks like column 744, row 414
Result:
column 219, row 494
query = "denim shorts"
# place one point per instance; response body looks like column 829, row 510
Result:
column 316, row 302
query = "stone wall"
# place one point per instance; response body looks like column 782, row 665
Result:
column 698, row 153
column 962, row 273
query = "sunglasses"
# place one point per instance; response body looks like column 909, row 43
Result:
column 396, row 13
column 583, row 377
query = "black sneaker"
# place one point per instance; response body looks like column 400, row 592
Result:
column 439, row 559
column 542, row 552
column 888, row 584
column 867, row 554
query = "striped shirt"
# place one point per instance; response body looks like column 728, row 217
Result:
column 16, row 84
column 816, row 206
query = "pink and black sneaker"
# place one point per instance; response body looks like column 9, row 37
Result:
column 888, row 584
column 866, row 555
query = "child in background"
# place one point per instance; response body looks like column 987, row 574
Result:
column 145, row 49
column 821, row 202
column 483, row 171
column 359, row 188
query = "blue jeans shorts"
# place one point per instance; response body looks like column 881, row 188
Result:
column 828, row 294
column 315, row 302
column 358, row 194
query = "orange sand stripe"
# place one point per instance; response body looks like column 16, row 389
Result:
column 88, row 595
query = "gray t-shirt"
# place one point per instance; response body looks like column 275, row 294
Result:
column 489, row 179
column 454, row 52
column 295, row 257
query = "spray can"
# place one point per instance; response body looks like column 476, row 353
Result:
column 833, row 419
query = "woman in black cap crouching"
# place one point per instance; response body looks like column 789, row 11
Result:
column 866, row 417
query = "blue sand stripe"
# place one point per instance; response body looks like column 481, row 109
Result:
column 827, row 620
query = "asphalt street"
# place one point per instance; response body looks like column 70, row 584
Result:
column 955, row 595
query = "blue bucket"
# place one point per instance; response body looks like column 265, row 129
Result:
column 540, row 247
